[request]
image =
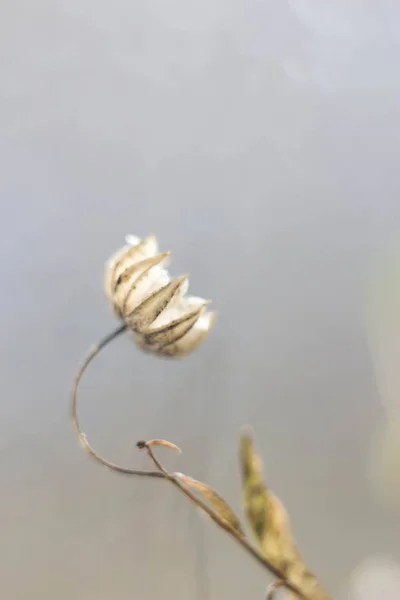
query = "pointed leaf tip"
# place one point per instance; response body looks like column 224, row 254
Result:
column 164, row 444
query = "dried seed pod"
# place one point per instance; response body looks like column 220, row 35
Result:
column 155, row 307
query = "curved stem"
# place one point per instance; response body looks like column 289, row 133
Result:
column 92, row 353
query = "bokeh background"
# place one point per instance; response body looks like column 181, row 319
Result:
column 260, row 141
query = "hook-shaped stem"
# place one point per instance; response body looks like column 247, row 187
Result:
column 92, row 353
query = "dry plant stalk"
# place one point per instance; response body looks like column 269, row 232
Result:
column 165, row 322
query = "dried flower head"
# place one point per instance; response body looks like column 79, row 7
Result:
column 153, row 306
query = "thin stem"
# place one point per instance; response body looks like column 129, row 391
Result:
column 92, row 353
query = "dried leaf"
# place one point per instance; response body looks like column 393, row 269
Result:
column 164, row 444
column 216, row 502
column 270, row 524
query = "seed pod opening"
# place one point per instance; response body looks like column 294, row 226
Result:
column 155, row 308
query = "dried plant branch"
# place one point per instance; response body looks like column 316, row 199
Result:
column 152, row 307
column 175, row 479
column 164, row 321
column 161, row 473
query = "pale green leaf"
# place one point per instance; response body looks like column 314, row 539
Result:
column 270, row 524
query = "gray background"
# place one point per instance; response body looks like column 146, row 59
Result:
column 260, row 142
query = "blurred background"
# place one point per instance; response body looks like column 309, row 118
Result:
column 259, row 141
